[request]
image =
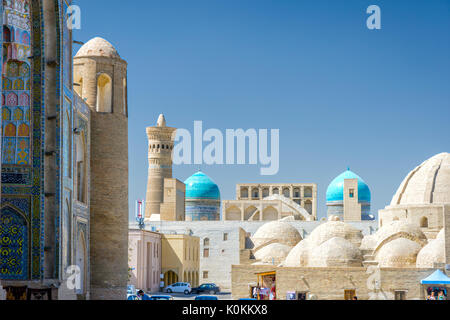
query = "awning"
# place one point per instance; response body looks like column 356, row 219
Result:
column 437, row 277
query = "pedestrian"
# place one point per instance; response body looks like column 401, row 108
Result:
column 431, row 297
column 355, row 298
column 142, row 295
column 441, row 296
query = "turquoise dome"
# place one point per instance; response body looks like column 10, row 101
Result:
column 200, row 186
column 335, row 191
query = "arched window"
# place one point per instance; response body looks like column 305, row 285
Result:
column 244, row 193
column 275, row 191
column 6, row 34
column 286, row 193
column 206, row 242
column 125, row 97
column 81, row 168
column 104, row 93
column 14, row 230
column 424, row 222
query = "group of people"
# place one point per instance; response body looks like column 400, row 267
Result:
column 440, row 296
column 262, row 293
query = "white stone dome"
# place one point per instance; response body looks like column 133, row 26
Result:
column 298, row 256
column 398, row 253
column 276, row 231
column 429, row 183
column 336, row 252
column 98, row 47
column 333, row 229
column 399, row 229
column 273, row 253
column 433, row 252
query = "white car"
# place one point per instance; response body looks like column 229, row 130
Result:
column 180, row 287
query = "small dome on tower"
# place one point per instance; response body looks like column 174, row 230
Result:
column 200, row 186
column 161, row 121
column 97, row 47
column 335, row 191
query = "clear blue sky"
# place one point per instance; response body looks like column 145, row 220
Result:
column 341, row 95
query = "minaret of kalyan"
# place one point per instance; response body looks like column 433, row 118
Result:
column 160, row 146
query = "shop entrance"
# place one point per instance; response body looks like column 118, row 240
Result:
column 266, row 287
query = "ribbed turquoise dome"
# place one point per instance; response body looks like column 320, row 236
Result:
column 335, row 191
column 200, row 186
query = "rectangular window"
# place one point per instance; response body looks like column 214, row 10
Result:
column 205, row 253
column 225, row 236
column 205, row 274
column 352, row 193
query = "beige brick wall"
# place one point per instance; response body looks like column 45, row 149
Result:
column 330, row 283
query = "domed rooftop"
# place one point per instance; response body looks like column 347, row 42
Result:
column 333, row 229
column 398, row 253
column 298, row 256
column 433, row 252
column 273, row 253
column 401, row 229
column 200, row 186
column 279, row 231
column 335, row 191
column 429, row 183
column 97, row 47
column 336, row 252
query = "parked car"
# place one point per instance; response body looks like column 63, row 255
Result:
column 161, row 297
column 210, row 288
column 131, row 290
column 206, row 298
column 180, row 287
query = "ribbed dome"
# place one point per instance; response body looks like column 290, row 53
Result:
column 398, row 253
column 97, row 47
column 335, row 191
column 429, row 183
column 336, row 252
column 281, row 232
column 200, row 186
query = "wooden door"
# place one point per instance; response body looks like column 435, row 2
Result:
column 349, row 294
